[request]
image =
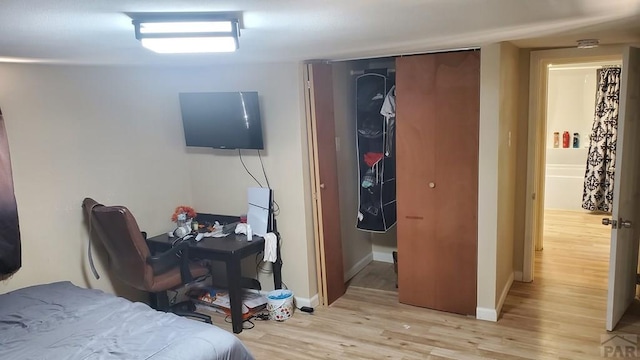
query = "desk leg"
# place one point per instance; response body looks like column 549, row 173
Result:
column 234, row 273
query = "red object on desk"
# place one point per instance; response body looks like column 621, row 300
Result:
column 243, row 219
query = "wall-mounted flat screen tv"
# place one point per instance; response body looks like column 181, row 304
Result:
column 222, row 120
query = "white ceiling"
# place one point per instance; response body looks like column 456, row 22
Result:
column 99, row 32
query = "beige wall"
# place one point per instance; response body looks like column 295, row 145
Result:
column 507, row 147
column 115, row 133
column 219, row 181
column 488, row 176
column 356, row 244
column 521, row 161
column 383, row 244
column 497, row 169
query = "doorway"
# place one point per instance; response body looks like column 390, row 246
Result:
column 575, row 243
column 623, row 239
column 564, row 167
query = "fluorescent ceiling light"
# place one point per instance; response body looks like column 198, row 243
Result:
column 185, row 27
column 186, row 32
column 190, row 45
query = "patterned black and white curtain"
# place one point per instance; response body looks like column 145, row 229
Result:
column 601, row 161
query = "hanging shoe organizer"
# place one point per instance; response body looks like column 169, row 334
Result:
column 376, row 150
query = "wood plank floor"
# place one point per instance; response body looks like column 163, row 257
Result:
column 576, row 250
column 559, row 316
column 376, row 275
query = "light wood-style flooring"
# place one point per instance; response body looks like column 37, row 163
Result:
column 576, row 250
column 558, row 316
column 376, row 275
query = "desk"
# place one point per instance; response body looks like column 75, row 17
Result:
column 230, row 249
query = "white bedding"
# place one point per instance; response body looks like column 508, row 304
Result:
column 63, row 321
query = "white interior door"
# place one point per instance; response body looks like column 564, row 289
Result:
column 625, row 220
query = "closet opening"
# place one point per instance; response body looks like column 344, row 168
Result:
column 361, row 173
column 364, row 110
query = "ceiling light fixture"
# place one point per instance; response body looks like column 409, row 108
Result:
column 171, row 33
column 588, row 43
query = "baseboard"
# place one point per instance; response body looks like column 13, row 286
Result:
column 312, row 302
column 492, row 314
column 486, row 314
column 383, row 256
column 503, row 296
column 358, row 266
column 518, row 276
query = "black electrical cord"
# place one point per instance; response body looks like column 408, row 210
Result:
column 251, row 325
column 247, row 170
column 276, row 207
column 263, row 172
column 261, row 316
column 259, row 268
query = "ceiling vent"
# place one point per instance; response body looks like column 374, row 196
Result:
column 588, row 43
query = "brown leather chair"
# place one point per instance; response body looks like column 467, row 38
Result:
column 132, row 262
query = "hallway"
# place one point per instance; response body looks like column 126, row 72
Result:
column 569, row 291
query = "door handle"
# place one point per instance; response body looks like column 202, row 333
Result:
column 607, row 222
column 625, row 223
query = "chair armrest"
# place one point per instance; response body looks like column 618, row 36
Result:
column 177, row 255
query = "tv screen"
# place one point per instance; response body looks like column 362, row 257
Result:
column 222, row 120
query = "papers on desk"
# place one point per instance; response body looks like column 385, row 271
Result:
column 217, row 231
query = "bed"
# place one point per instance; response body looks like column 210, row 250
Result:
column 63, row 321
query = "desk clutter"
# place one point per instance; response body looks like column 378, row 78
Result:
column 279, row 304
column 230, row 245
column 213, row 230
column 218, row 301
column 218, row 230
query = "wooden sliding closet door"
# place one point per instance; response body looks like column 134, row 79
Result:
column 438, row 101
column 322, row 150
